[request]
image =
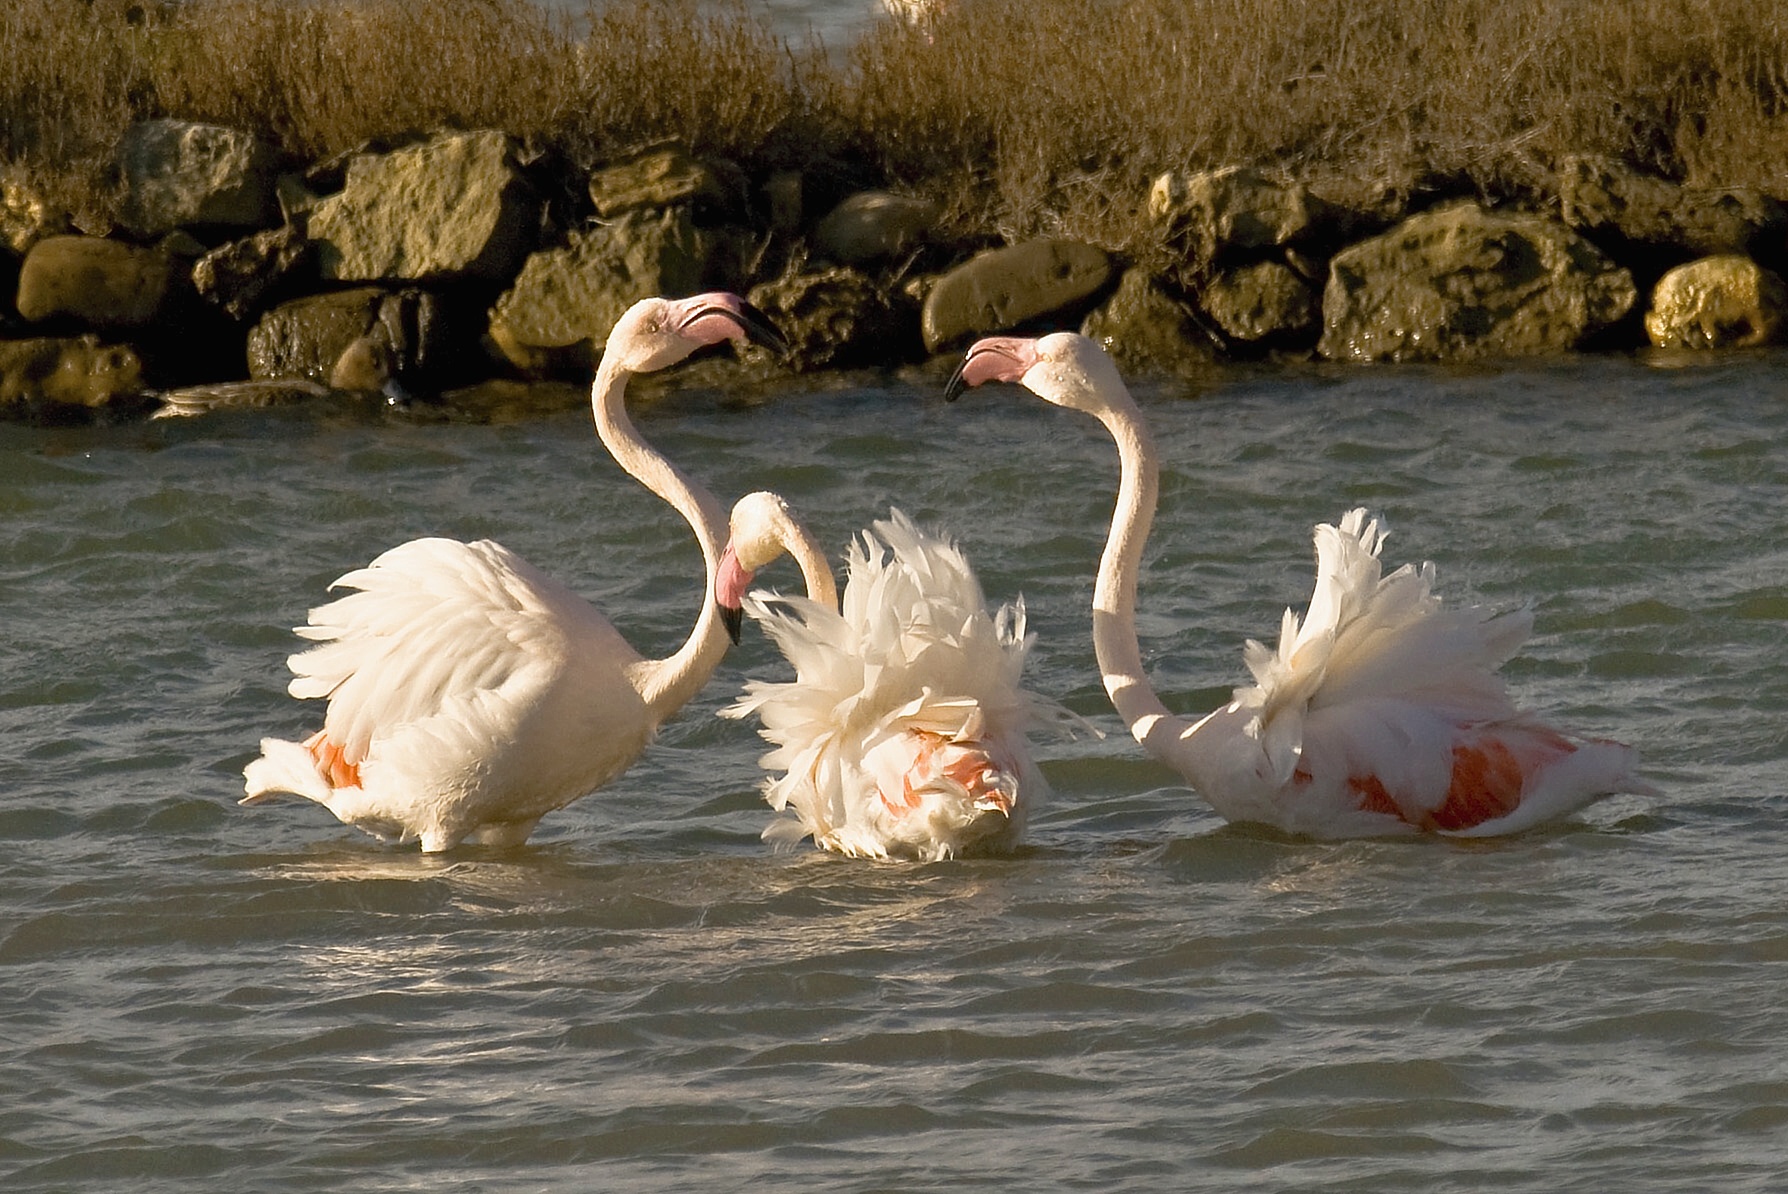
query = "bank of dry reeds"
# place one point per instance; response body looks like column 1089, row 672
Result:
column 1025, row 115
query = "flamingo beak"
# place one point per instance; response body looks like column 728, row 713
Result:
column 996, row 358
column 731, row 580
column 741, row 320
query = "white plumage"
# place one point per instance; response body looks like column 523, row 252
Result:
column 1379, row 712
column 469, row 694
column 904, row 732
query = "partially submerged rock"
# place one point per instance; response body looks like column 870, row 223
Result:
column 1003, row 289
column 54, row 377
column 1726, row 301
column 311, row 337
column 562, row 305
column 1460, row 282
column 180, row 173
column 455, row 206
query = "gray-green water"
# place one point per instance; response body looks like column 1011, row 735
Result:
column 199, row 996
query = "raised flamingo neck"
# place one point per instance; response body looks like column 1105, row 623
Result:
column 666, row 684
column 1114, row 594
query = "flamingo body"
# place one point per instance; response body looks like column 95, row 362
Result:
column 904, row 732
column 456, row 673
column 1380, row 712
column 469, row 693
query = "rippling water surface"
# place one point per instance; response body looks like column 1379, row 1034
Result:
column 200, row 996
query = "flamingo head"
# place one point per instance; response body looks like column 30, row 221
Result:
column 656, row 333
column 761, row 528
column 1063, row 368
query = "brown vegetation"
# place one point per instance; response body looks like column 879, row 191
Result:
column 1024, row 115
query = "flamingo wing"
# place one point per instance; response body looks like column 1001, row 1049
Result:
column 1382, row 710
column 904, row 732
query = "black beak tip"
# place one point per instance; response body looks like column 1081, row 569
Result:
column 954, row 389
column 759, row 330
column 733, row 617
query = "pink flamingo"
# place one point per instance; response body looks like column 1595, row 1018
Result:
column 1380, row 713
column 469, row 693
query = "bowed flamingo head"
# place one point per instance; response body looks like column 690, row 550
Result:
column 1061, row 368
column 761, row 528
column 656, row 333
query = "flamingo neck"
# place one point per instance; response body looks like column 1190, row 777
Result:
column 816, row 571
column 665, row 685
column 1114, row 595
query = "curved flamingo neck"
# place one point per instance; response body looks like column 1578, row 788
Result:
column 1114, row 594
column 816, row 571
column 666, row 684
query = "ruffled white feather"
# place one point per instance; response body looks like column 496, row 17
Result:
column 904, row 732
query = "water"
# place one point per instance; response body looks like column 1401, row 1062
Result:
column 199, row 996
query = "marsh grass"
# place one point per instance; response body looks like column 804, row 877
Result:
column 1025, row 116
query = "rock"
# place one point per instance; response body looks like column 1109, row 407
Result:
column 1264, row 303
column 1217, row 212
column 26, row 217
column 455, row 206
column 1142, row 326
column 835, row 318
column 309, row 337
column 1610, row 200
column 237, row 277
column 874, row 226
column 1717, row 302
column 1002, row 289
column 177, row 173
column 565, row 301
column 1460, row 282
column 666, row 176
column 48, row 377
column 97, row 282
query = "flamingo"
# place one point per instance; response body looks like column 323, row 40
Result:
column 1380, row 713
column 903, row 734
column 469, row 693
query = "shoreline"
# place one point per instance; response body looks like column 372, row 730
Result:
column 878, row 217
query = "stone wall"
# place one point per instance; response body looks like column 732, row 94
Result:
column 413, row 270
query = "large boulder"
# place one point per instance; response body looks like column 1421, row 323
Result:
column 96, row 282
column 1718, row 302
column 456, row 206
column 1460, row 282
column 667, row 176
column 1144, row 327
column 238, row 277
column 178, row 173
column 1003, row 289
column 565, row 301
column 51, row 378
column 328, row 338
column 835, row 318
column 1612, row 201
column 1264, row 304
column 874, row 226
column 1218, row 213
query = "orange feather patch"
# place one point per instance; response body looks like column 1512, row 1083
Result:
column 332, row 762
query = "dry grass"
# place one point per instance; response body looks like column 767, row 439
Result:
column 1026, row 115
